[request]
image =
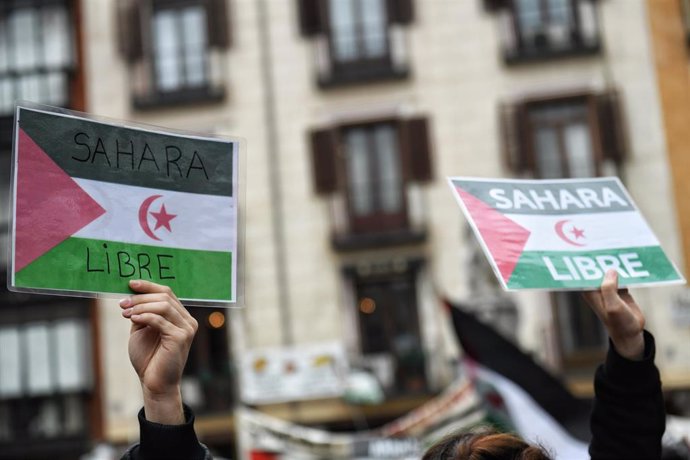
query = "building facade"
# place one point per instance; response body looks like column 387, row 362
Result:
column 354, row 111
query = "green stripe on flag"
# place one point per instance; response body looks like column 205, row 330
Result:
column 573, row 269
column 107, row 266
column 93, row 150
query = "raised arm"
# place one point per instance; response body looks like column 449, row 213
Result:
column 628, row 418
column 160, row 337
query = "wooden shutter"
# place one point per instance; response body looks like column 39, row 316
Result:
column 494, row 5
column 218, row 23
column 400, row 11
column 611, row 129
column 129, row 14
column 415, row 150
column 310, row 17
column 324, row 150
column 513, row 124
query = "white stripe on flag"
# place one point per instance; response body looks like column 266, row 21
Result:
column 203, row 222
column 532, row 422
column 599, row 231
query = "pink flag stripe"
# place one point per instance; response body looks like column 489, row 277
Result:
column 51, row 206
column 504, row 238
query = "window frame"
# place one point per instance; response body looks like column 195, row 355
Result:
column 34, row 309
column 136, row 25
column 606, row 122
column 588, row 101
column 200, row 356
column 361, row 68
column 67, row 70
column 377, row 221
column 580, row 358
column 545, row 20
column 314, row 22
column 390, row 272
column 577, row 44
column 178, row 6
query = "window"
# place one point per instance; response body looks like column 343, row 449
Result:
column 175, row 48
column 389, row 332
column 581, row 335
column 361, row 39
column 578, row 135
column 180, row 48
column 36, row 53
column 207, row 380
column 562, row 141
column 46, row 381
column 374, row 177
column 369, row 166
column 570, row 136
column 539, row 29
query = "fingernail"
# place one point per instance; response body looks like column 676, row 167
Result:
column 127, row 312
column 134, row 283
column 125, row 302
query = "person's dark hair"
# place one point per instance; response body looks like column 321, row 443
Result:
column 486, row 444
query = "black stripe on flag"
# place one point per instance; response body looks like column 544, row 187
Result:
column 99, row 151
column 486, row 346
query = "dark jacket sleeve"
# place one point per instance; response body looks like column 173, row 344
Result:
column 628, row 418
column 167, row 442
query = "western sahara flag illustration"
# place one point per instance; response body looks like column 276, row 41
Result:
column 96, row 205
column 562, row 234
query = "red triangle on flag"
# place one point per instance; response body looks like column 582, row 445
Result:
column 50, row 205
column 504, row 238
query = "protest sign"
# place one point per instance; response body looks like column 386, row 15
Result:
column 562, row 234
column 97, row 203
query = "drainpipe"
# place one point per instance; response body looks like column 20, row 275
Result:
column 274, row 180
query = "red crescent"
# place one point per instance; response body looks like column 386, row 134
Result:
column 559, row 231
column 143, row 213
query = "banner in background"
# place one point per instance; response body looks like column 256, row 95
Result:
column 292, row 374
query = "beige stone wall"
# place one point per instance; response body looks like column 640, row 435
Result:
column 458, row 79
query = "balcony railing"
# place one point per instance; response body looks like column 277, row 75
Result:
column 580, row 36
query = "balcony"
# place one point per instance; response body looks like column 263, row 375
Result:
column 532, row 36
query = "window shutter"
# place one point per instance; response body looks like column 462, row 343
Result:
column 611, row 128
column 324, row 149
column 400, row 11
column 494, row 5
column 310, row 17
column 416, row 150
column 513, row 125
column 129, row 30
column 218, row 24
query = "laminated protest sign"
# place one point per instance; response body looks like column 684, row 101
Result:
column 562, row 234
column 96, row 204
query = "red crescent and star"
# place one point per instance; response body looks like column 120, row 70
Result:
column 577, row 233
column 162, row 217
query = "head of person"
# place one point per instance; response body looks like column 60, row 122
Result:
column 485, row 444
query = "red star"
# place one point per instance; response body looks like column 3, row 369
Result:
column 577, row 233
column 163, row 218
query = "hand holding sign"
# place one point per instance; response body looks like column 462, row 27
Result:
column 160, row 338
column 620, row 314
